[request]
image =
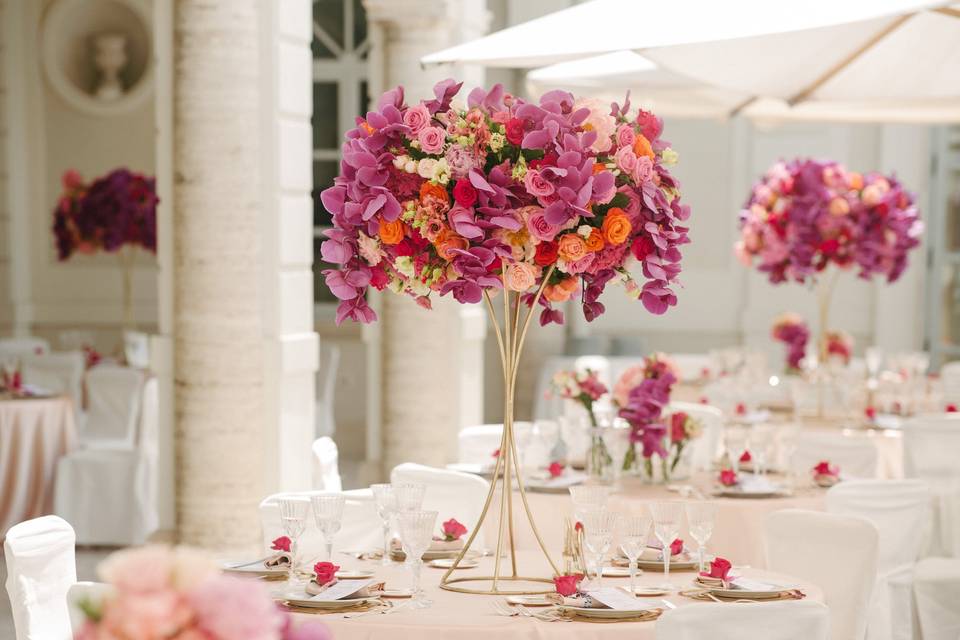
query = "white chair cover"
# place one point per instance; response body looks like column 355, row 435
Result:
column 91, row 592
column 803, row 620
column 41, row 566
column 901, row 510
column 326, row 473
column 114, row 394
column 360, row 528
column 856, row 455
column 451, row 494
column 930, row 446
column 837, row 553
column 706, row 448
column 60, row 373
column 950, row 379
column 110, row 495
column 16, row 347
column 477, row 444
column 326, row 390
column 936, row 590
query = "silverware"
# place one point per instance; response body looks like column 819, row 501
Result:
column 668, row 604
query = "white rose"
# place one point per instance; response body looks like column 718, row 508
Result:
column 425, row 167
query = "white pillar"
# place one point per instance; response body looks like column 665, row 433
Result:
column 429, row 372
column 243, row 345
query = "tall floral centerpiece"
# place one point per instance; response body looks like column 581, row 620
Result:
column 790, row 329
column 534, row 203
column 115, row 214
column 806, row 220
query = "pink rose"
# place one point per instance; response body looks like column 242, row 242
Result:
column 555, row 469
column 325, row 572
column 567, row 585
column 281, row 544
column 625, row 136
column 650, row 125
column 626, row 160
column 539, row 228
column 643, row 171
column 536, row 184
column 520, row 276
column 431, row 139
column 632, row 208
column 719, row 568
column 728, row 477
column 824, row 468
column 676, row 547
column 453, row 530
column 579, row 266
column 416, row 118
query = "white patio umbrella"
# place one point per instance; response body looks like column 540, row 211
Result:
column 866, row 59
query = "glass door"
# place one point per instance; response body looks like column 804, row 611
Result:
column 943, row 229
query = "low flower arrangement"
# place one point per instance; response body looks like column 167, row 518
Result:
column 825, row 474
column 839, row 346
column 180, row 594
column 11, row 379
column 790, row 329
column 583, row 387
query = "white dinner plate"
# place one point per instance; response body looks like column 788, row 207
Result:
column 343, row 603
column 735, row 492
column 530, row 601
column 645, row 592
column 684, row 564
column 446, row 563
column 396, row 593
column 608, row 614
column 254, row 569
column 750, row 594
column 617, row 572
column 354, row 575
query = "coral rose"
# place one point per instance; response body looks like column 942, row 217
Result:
column 595, row 240
column 447, row 241
column 520, row 276
column 572, row 247
column 641, row 147
column 616, row 226
column 432, row 191
column 391, row 232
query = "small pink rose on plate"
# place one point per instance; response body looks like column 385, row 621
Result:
column 555, row 469
column 325, row 572
column 567, row 585
column 746, row 457
column 825, row 474
column 676, row 547
column 719, row 569
column 728, row 477
column 704, row 400
column 870, row 413
column 741, row 409
column 951, row 408
column 453, row 530
column 281, row 544
column 496, row 453
column 578, row 527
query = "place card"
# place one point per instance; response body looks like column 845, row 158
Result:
column 341, row 590
column 619, row 599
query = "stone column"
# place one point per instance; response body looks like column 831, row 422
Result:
column 243, row 347
column 431, row 362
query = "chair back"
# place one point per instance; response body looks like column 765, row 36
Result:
column 901, row 510
column 706, row 447
column 837, row 553
column 28, row 346
column 41, row 566
column 930, row 443
column 360, row 528
column 855, row 454
column 477, row 444
column 326, row 474
column 451, row 494
column 804, row 620
column 60, row 373
column 82, row 593
column 326, row 390
column 114, row 397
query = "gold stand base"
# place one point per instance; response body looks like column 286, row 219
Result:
column 495, row 589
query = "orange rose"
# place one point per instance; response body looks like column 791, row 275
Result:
column 856, row 180
column 561, row 291
column 641, row 147
column 572, row 247
column 616, row 226
column 447, row 241
column 569, row 285
column 595, row 241
column 391, row 232
column 430, row 190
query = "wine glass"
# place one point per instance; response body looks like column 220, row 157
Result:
column 616, row 438
column 761, row 436
column 293, row 520
column 588, row 498
column 409, row 495
column 598, row 529
column 416, row 531
column 700, row 520
column 735, row 442
column 328, row 514
column 666, row 526
column 633, row 540
column 386, row 503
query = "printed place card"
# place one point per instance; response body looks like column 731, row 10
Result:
column 342, row 589
column 620, row 600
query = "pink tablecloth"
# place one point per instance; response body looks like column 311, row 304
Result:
column 737, row 535
column 34, row 434
column 472, row 617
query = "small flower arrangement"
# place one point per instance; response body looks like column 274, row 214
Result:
column 11, row 379
column 555, row 469
column 568, row 584
column 825, row 474
column 839, row 346
column 790, row 329
column 453, row 530
column 728, row 478
column 805, row 215
column 583, row 387
column 718, row 572
column 179, row 593
column 325, row 573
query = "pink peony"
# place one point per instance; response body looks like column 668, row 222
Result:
column 416, row 118
column 431, row 139
column 229, row 607
column 460, row 160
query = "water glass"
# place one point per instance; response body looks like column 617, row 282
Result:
column 598, row 527
column 588, row 498
column 666, row 526
column 386, row 504
column 409, row 495
column 293, row 520
column 328, row 514
column 735, row 442
column 761, row 437
column 416, row 531
column 634, row 530
column 617, row 440
column 701, row 517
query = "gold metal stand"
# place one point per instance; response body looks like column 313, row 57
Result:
column 510, row 340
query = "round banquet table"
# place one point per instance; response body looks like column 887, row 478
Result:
column 737, row 534
column 34, row 434
column 472, row 617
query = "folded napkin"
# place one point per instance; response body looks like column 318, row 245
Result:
column 280, row 560
column 438, row 545
column 368, row 591
column 579, row 600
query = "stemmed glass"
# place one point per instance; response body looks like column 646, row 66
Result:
column 328, row 513
column 735, row 442
column 760, row 438
column 409, row 495
column 700, row 519
column 666, row 526
column 598, row 529
column 293, row 520
column 633, row 540
column 386, row 502
column 416, row 531
column 588, row 498
column 617, row 440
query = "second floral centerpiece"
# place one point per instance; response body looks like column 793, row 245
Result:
column 538, row 203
